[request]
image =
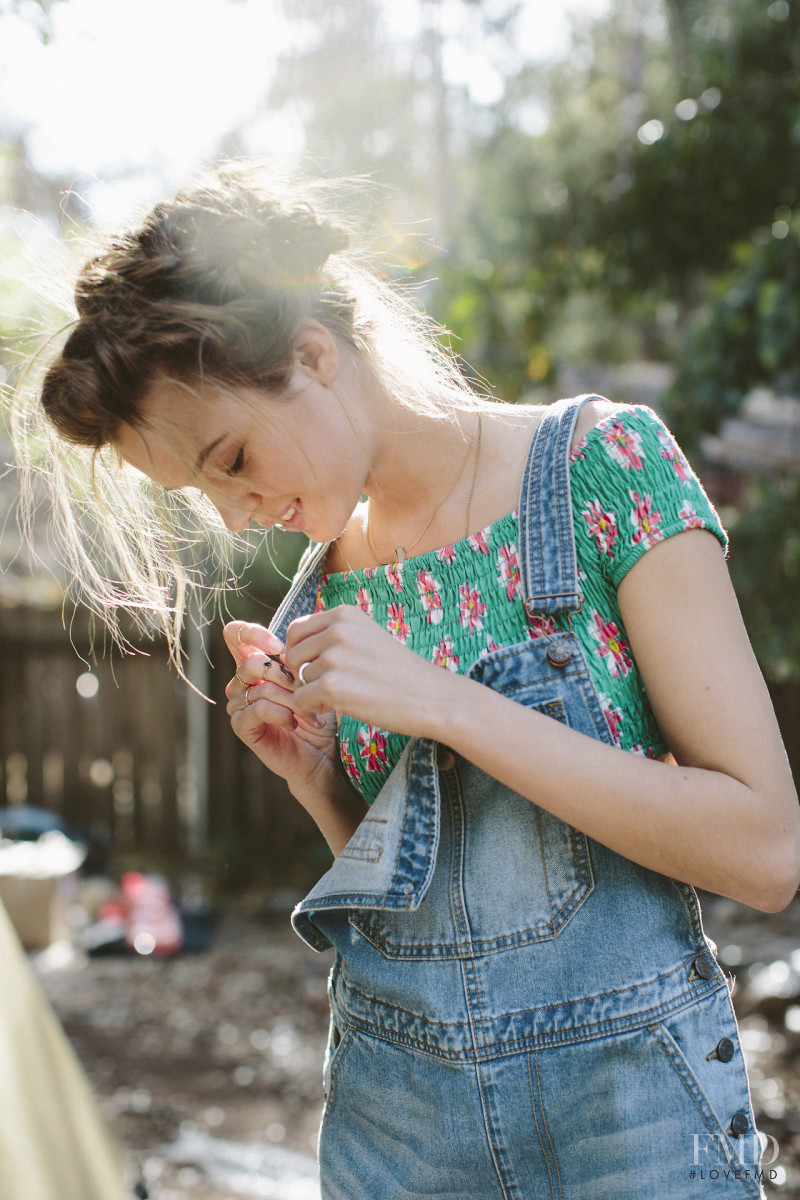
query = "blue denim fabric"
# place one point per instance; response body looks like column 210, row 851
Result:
column 517, row 1011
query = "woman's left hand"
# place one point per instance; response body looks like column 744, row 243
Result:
column 352, row 665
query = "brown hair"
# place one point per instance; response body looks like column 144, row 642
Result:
column 213, row 285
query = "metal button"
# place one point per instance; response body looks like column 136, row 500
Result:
column 559, row 654
column 408, row 888
column 740, row 1123
column 724, row 1051
column 702, row 967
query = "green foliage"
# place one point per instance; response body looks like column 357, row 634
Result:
column 765, row 564
column 718, row 172
column 746, row 334
column 639, row 199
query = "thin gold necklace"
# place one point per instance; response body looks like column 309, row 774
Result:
column 401, row 552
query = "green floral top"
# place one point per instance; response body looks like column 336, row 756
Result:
column 631, row 487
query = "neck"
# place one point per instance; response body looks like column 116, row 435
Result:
column 419, row 469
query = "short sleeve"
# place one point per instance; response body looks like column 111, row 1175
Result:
column 632, row 487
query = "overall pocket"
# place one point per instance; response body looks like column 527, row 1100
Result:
column 508, row 873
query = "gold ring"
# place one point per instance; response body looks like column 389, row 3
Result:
column 241, row 681
column 247, row 699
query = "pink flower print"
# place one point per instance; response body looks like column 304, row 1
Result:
column 445, row 656
column 541, row 627
column 624, row 445
column 491, row 645
column 674, row 456
column 394, row 573
column 645, row 520
column 364, row 601
column 613, row 717
column 370, row 572
column 348, row 761
column 447, row 554
column 479, row 542
column 577, row 450
column 691, row 520
column 373, row 747
column 602, row 526
column 470, row 608
column 397, row 624
column 430, row 596
column 508, row 569
column 320, row 604
column 646, row 752
column 611, row 645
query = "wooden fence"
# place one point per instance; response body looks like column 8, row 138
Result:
column 107, row 747
column 105, row 744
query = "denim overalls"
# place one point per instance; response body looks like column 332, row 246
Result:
column 517, row 1011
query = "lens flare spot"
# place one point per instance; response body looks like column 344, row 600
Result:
column 144, row 943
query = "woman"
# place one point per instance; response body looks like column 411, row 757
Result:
column 523, row 1001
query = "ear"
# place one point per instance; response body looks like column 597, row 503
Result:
column 316, row 352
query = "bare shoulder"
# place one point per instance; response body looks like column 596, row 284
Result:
column 595, row 411
column 514, row 425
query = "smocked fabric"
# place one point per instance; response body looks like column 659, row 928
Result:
column 516, row 1010
column 631, row 488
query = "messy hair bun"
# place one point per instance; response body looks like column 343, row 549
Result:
column 213, row 286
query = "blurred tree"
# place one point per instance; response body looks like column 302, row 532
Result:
column 656, row 216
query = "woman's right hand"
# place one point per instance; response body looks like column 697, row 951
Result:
column 298, row 746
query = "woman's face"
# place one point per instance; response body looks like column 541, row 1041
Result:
column 292, row 460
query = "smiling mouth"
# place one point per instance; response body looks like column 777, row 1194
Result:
column 286, row 517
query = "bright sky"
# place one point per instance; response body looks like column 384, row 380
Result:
column 134, row 94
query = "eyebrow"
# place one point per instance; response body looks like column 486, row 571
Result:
column 204, row 453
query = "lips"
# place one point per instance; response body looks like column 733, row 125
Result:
column 290, row 517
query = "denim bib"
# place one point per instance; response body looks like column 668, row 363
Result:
column 518, row 1011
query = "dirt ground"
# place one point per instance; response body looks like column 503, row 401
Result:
column 208, row 1066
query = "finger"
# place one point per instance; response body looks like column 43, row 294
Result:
column 258, row 668
column 304, row 652
column 262, row 704
column 243, row 638
column 304, row 627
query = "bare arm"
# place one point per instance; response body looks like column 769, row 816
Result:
column 725, row 818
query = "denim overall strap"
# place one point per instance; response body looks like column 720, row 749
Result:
column 547, row 552
column 301, row 598
column 389, row 862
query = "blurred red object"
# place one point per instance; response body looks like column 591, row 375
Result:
column 145, row 911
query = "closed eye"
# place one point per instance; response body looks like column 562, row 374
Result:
column 237, row 463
